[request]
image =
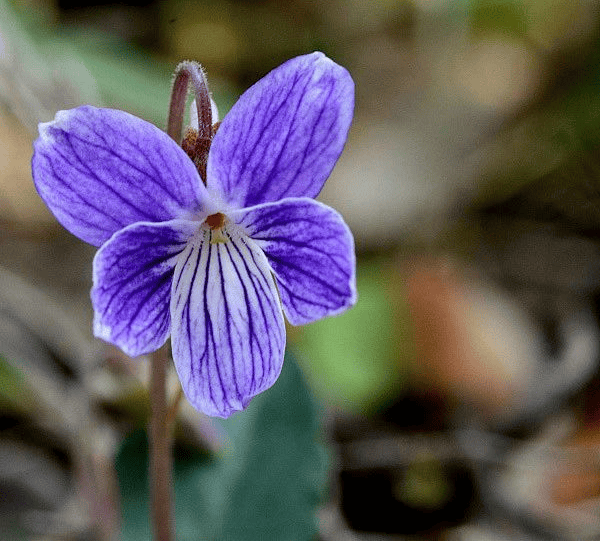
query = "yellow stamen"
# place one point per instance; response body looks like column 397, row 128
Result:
column 217, row 236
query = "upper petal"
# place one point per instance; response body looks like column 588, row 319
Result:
column 284, row 135
column 132, row 284
column 311, row 251
column 228, row 334
column 99, row 170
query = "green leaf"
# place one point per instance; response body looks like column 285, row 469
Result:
column 265, row 484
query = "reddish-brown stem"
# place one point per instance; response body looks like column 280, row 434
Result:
column 189, row 72
column 173, row 409
column 160, row 449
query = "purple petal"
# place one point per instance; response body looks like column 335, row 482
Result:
column 311, row 251
column 228, row 334
column 284, row 135
column 99, row 170
column 132, row 284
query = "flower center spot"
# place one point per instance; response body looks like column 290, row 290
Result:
column 216, row 222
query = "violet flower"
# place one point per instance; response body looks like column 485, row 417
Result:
column 210, row 261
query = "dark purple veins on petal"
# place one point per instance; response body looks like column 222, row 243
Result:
column 99, row 170
column 284, row 135
column 132, row 284
column 311, row 251
column 228, row 335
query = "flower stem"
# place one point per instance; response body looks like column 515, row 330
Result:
column 189, row 72
column 160, row 449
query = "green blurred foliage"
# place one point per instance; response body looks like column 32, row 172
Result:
column 499, row 16
column 16, row 395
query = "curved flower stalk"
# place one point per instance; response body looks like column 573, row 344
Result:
column 210, row 262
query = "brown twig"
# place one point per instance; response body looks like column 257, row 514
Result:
column 160, row 449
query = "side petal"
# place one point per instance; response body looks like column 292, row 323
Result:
column 311, row 251
column 132, row 284
column 99, row 170
column 228, row 334
column 284, row 135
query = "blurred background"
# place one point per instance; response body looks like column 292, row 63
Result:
column 458, row 400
